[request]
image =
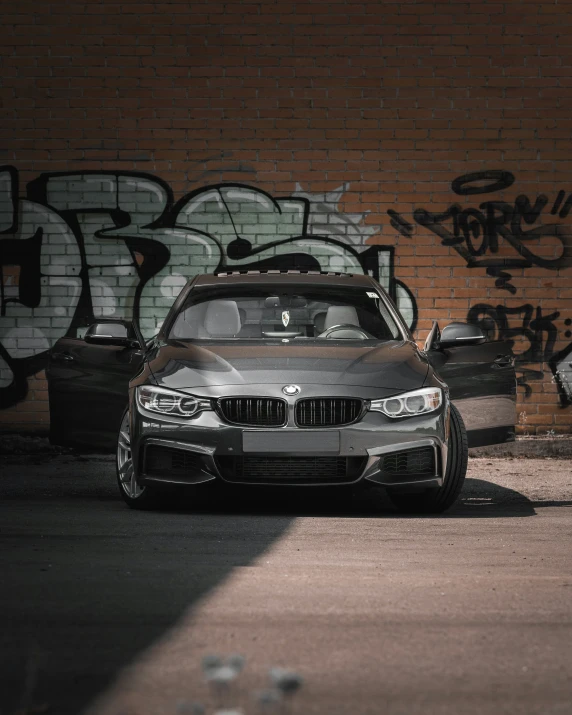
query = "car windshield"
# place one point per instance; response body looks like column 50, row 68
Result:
column 284, row 313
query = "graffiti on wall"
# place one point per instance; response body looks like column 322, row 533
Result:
column 87, row 245
column 503, row 237
column 537, row 334
column 521, row 324
column 476, row 233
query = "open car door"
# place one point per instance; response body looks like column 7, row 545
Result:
column 481, row 380
column 88, row 382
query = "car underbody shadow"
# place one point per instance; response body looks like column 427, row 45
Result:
column 479, row 498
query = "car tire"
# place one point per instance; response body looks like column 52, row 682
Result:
column 435, row 501
column 133, row 495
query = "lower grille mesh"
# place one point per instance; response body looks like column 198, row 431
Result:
column 290, row 470
column 419, row 461
column 168, row 462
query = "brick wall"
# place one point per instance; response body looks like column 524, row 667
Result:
column 426, row 143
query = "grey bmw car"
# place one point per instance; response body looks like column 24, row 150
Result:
column 284, row 378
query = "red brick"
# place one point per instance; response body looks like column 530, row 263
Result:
column 319, row 93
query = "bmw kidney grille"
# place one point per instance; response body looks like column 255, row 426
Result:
column 327, row 411
column 254, row 411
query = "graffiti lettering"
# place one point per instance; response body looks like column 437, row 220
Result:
column 476, row 233
column 532, row 340
column 499, row 236
column 537, row 330
column 400, row 224
column 85, row 245
column 499, row 179
column 41, row 285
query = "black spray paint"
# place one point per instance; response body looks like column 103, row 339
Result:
column 145, row 236
column 476, row 235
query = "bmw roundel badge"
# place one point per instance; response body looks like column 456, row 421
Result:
column 291, row 390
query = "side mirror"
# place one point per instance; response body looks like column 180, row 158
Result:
column 118, row 333
column 457, row 334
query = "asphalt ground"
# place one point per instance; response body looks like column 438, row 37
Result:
column 111, row 611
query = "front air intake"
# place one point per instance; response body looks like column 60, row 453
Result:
column 413, row 462
column 169, row 462
column 269, row 469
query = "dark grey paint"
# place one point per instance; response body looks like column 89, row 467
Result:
column 88, row 384
column 476, row 371
column 395, row 364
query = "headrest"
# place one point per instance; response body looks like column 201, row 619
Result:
column 339, row 315
column 319, row 321
column 222, row 319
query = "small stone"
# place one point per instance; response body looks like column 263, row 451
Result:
column 222, row 675
column 210, row 662
column 236, row 661
column 286, row 680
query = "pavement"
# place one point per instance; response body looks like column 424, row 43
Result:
column 110, row 611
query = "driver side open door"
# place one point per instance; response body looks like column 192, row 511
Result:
column 88, row 386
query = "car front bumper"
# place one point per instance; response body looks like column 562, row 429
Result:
column 171, row 450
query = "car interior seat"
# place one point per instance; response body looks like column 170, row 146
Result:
column 186, row 326
column 222, row 320
column 248, row 330
column 341, row 315
column 319, row 322
column 217, row 318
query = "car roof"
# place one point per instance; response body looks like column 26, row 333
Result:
column 291, row 277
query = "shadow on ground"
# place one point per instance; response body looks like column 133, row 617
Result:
column 479, row 499
column 88, row 584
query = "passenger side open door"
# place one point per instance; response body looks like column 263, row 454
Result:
column 481, row 380
column 88, row 380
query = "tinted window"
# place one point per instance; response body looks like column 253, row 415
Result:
column 290, row 313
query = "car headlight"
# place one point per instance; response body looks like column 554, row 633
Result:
column 169, row 402
column 418, row 402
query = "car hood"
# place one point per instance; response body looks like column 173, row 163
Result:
column 394, row 365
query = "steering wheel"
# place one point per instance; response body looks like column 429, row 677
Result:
column 345, row 326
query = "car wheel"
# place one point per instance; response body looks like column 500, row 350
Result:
column 435, row 501
column 136, row 496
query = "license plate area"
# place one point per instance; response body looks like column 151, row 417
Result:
column 291, row 441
